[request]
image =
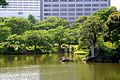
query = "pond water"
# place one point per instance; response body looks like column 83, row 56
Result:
column 48, row 67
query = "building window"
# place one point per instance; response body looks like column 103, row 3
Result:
column 64, row 18
column 71, row 0
column 47, row 14
column 71, row 9
column 55, row 10
column 47, row 0
column 79, row 5
column 95, row 0
column 63, row 5
column 47, row 10
column 79, row 0
column 71, row 14
column 71, row 5
column 103, row 0
column 63, row 0
column 95, row 9
column 95, row 5
column 55, row 5
column 103, row 5
column 63, row 9
column 20, row 13
column 87, row 0
column 87, row 5
column 87, row 14
column 71, row 18
column 55, row 0
column 79, row 14
column 55, row 14
column 63, row 14
column 46, row 5
column 79, row 9
column 87, row 9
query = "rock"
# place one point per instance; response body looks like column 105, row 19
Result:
column 90, row 59
column 63, row 59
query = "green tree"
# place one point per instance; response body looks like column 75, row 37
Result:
column 1, row 19
column 90, row 32
column 81, row 19
column 50, row 23
column 59, row 35
column 104, row 13
column 18, row 25
column 15, row 40
column 74, row 29
column 31, row 18
column 3, row 3
column 4, row 32
column 113, row 28
column 37, row 38
column 78, row 22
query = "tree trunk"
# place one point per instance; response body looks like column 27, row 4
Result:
column 93, row 45
column 92, row 51
column 35, row 47
column 59, row 48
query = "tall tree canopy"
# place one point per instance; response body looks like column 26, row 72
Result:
column 31, row 18
column 113, row 27
column 18, row 25
column 50, row 23
column 4, row 32
column 36, row 38
column 104, row 13
column 78, row 22
column 91, row 31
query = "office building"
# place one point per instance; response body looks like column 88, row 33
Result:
column 41, row 9
column 21, row 8
column 72, row 9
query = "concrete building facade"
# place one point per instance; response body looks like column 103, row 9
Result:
column 21, row 8
column 72, row 9
column 41, row 9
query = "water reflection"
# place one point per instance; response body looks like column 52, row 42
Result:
column 20, row 73
column 48, row 67
column 21, row 60
column 105, row 71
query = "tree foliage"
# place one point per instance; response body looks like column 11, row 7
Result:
column 4, row 32
column 91, row 31
column 32, row 19
column 113, row 27
column 18, row 25
column 36, row 38
column 58, row 35
column 78, row 22
column 50, row 34
column 50, row 23
column 104, row 13
column 15, row 40
column 3, row 3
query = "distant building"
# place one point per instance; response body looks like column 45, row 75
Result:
column 21, row 8
column 72, row 9
column 41, row 9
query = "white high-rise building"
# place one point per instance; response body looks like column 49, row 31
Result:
column 72, row 9
column 21, row 8
column 41, row 9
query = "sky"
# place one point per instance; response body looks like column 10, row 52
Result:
column 116, row 3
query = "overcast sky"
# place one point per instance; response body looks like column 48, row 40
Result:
column 115, row 3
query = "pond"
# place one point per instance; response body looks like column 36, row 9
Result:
column 48, row 67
